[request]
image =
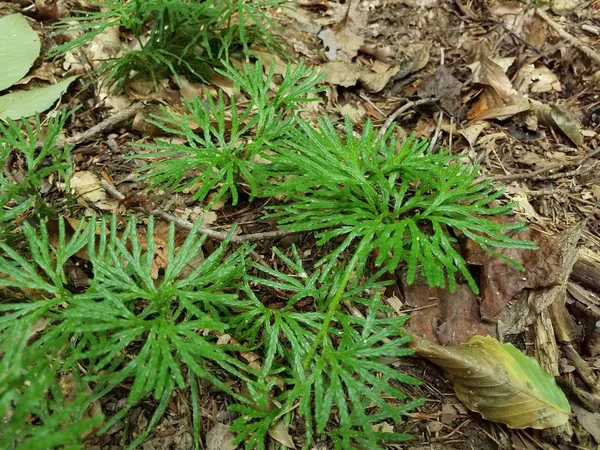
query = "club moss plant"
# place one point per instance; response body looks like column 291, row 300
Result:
column 161, row 38
column 400, row 206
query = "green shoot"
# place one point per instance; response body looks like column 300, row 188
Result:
column 21, row 190
column 231, row 142
column 171, row 37
column 410, row 204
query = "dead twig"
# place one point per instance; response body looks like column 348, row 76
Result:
column 103, row 127
column 589, row 52
column 586, row 374
column 438, row 131
column 537, row 174
column 402, row 109
column 186, row 225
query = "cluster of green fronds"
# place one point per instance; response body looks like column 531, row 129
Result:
column 338, row 382
column 408, row 204
column 170, row 37
column 224, row 141
column 34, row 410
column 158, row 331
column 411, row 205
column 159, row 334
column 27, row 161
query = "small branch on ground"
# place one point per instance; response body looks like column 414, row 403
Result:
column 588, row 51
column 105, row 126
column 402, row 109
column 187, row 225
column 537, row 174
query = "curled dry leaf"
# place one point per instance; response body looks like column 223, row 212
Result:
column 498, row 100
column 559, row 119
column 492, row 73
column 347, row 74
column 491, row 106
column 500, row 382
column 86, row 186
column 280, row 433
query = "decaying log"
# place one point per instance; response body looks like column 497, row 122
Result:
column 587, row 269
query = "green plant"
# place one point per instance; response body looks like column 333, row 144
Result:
column 21, row 190
column 407, row 205
column 131, row 327
column 344, row 375
column 123, row 308
column 177, row 37
column 32, row 405
column 229, row 143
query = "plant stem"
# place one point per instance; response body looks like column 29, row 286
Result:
column 335, row 302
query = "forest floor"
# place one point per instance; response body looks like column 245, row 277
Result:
column 514, row 88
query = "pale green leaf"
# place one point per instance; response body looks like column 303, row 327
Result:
column 500, row 382
column 19, row 48
column 27, row 103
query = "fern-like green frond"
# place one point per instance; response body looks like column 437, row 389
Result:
column 173, row 37
column 125, row 307
column 231, row 141
column 343, row 376
column 21, row 194
column 414, row 202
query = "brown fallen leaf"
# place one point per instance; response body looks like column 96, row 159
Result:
column 280, row 433
column 560, row 119
column 491, row 106
column 47, row 9
column 590, row 421
column 512, row 14
column 472, row 131
column 347, row 74
column 500, row 282
column 446, row 89
column 492, row 73
column 445, row 317
column 498, row 99
column 341, row 42
column 220, row 437
column 418, row 57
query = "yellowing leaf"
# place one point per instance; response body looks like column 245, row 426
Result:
column 26, row 103
column 500, row 382
column 19, row 48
